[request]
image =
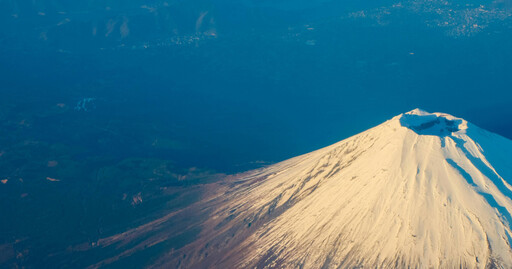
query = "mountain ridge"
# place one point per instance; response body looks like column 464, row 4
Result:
column 415, row 191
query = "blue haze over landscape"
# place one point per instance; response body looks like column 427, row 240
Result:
column 247, row 81
column 223, row 87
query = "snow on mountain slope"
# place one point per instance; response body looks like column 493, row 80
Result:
column 420, row 190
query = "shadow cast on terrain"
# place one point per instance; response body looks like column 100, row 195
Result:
column 488, row 197
column 430, row 124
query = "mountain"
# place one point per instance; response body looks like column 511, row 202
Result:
column 66, row 27
column 420, row 190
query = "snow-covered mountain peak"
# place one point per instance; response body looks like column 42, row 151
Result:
column 421, row 190
column 417, row 111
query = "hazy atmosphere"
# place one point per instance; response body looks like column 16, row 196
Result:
column 112, row 113
column 250, row 81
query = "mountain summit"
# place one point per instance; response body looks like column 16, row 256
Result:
column 420, row 190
